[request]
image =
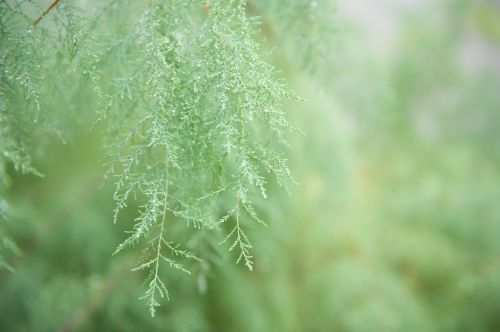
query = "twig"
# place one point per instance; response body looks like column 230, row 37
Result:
column 46, row 11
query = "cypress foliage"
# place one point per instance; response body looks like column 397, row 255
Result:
column 192, row 112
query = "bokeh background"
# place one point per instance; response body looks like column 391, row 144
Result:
column 394, row 225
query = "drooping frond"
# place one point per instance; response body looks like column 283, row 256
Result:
column 194, row 104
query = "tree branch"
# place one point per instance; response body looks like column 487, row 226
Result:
column 45, row 12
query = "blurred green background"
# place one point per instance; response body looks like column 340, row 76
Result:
column 394, row 225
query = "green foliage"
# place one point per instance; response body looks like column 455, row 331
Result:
column 19, row 107
column 19, row 91
column 394, row 223
column 187, row 120
column 193, row 114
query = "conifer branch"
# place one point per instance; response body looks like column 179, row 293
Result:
column 190, row 103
